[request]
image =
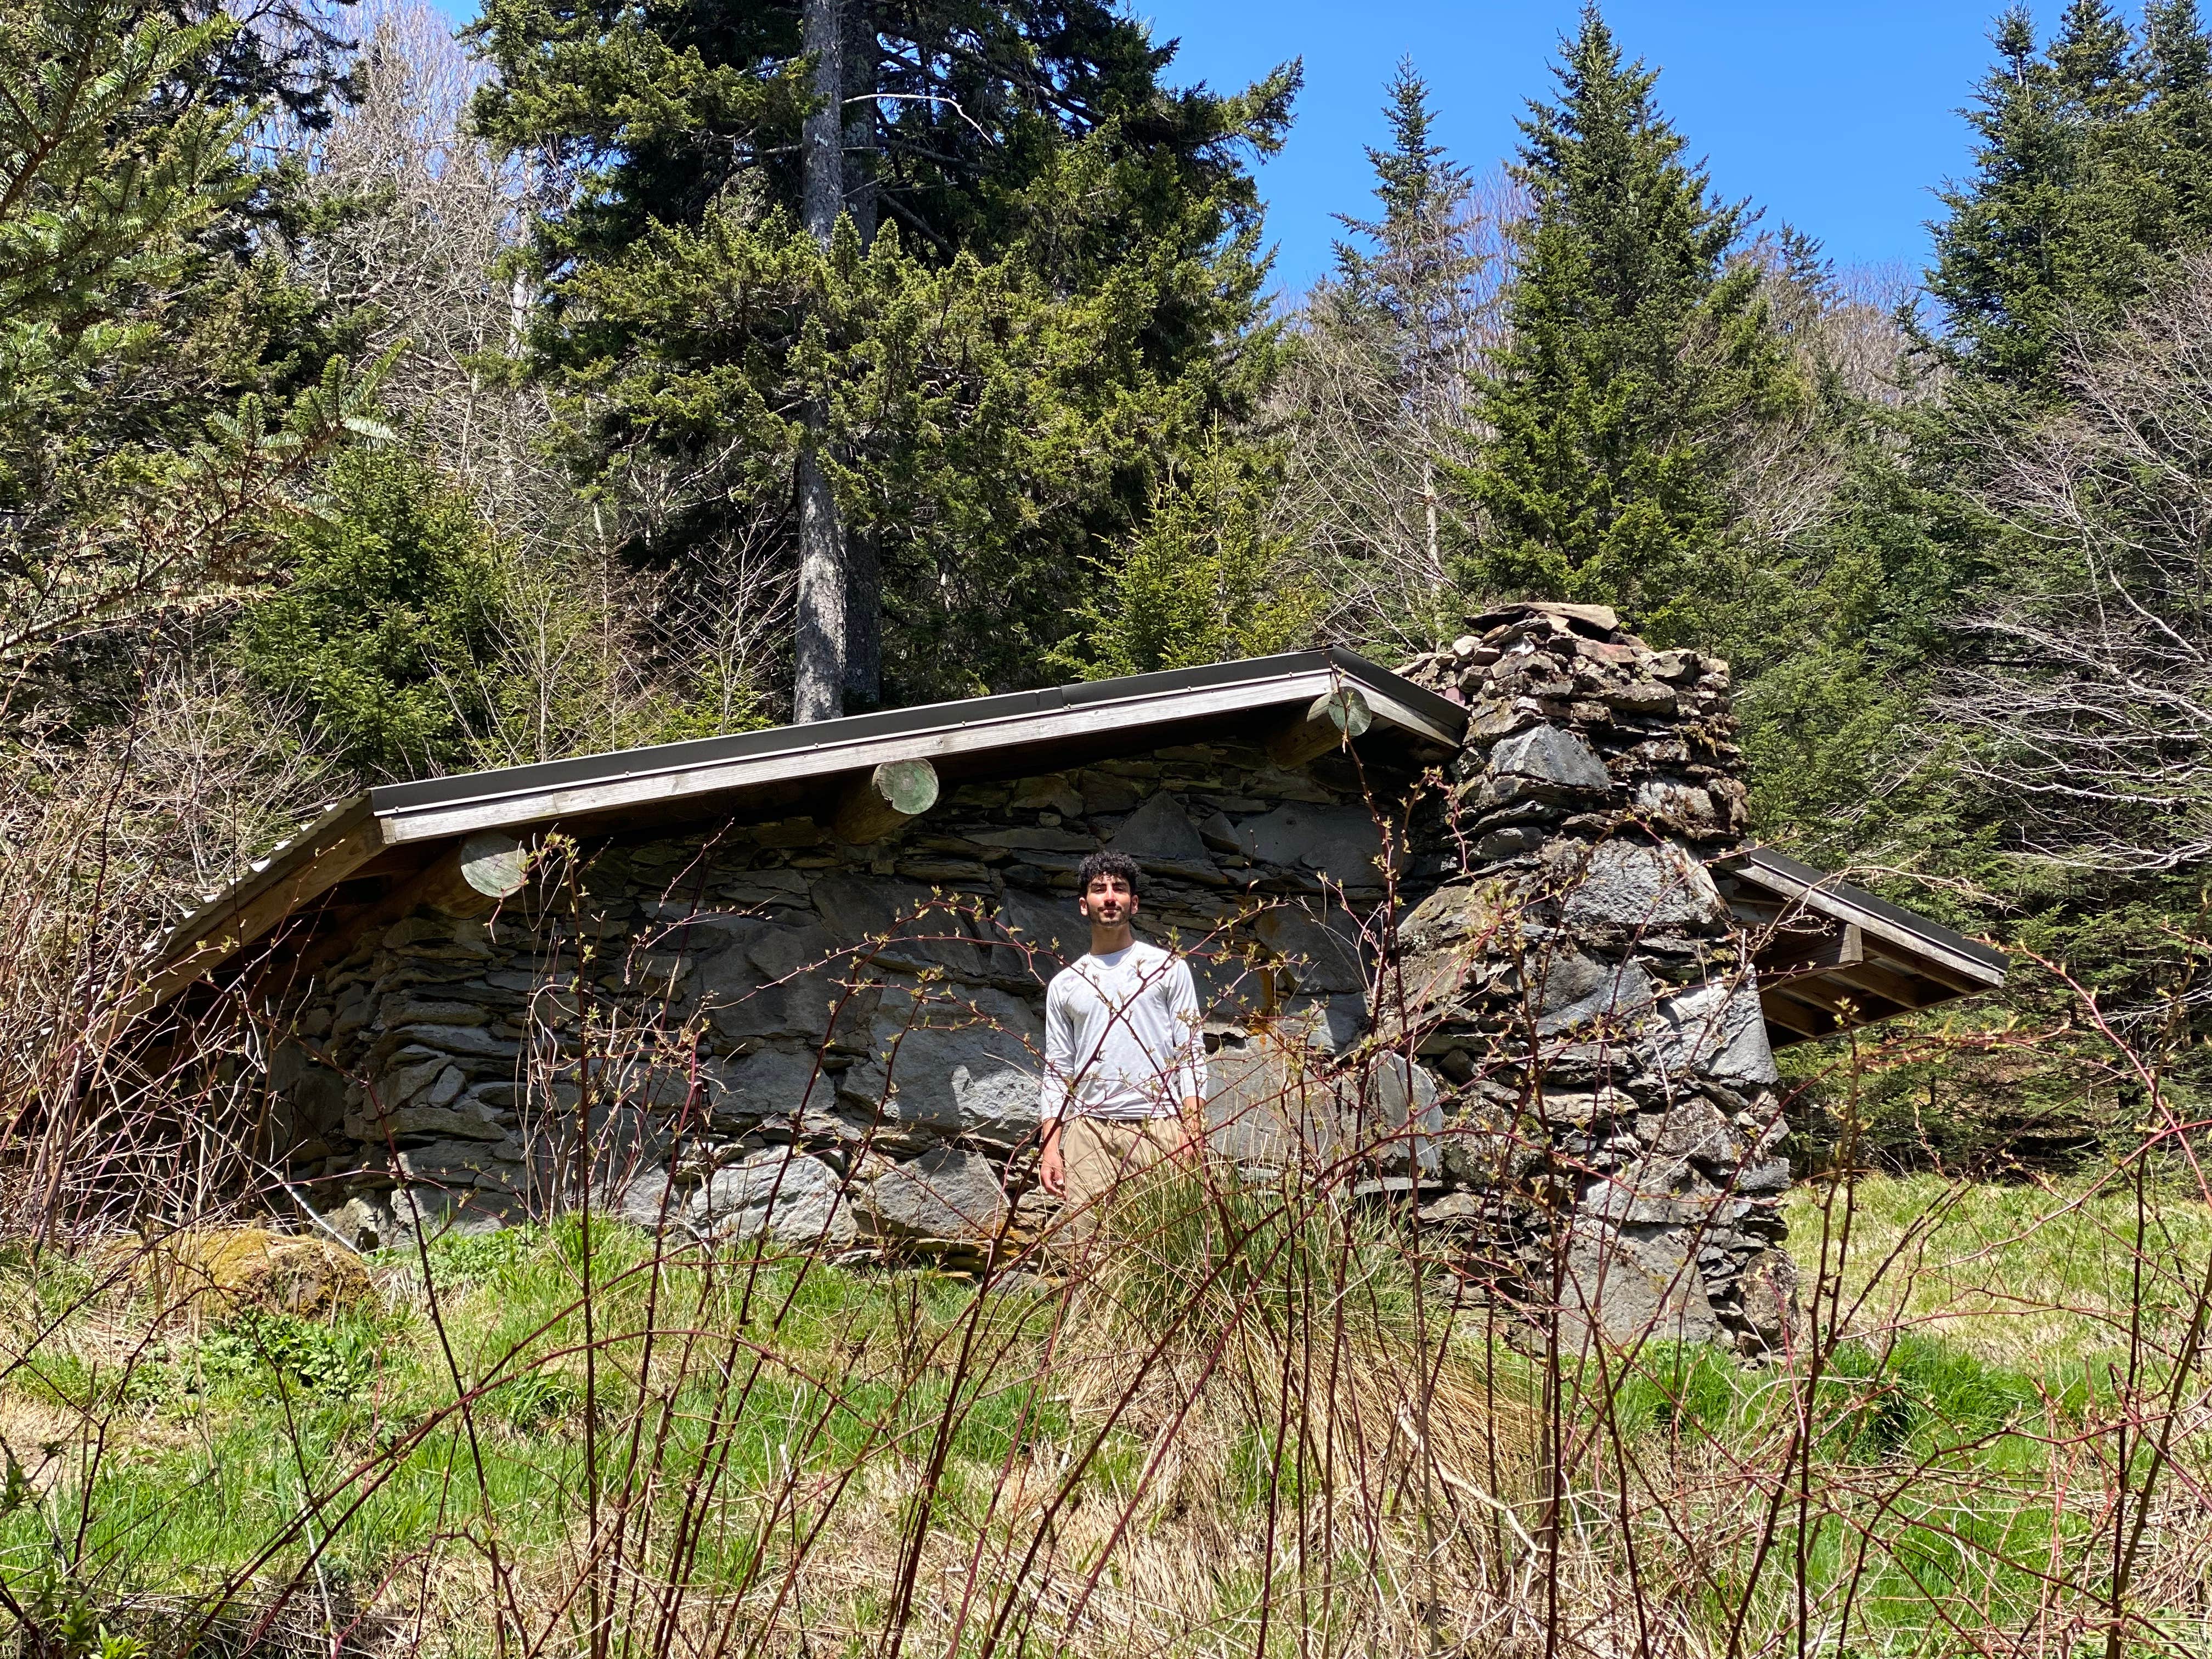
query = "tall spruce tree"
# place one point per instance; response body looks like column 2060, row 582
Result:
column 2094, row 165
column 1043, row 286
column 1641, row 358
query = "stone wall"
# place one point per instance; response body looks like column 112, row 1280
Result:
column 1575, row 975
column 753, row 1028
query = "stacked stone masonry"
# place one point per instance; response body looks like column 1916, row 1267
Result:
column 1576, row 977
column 1537, row 1025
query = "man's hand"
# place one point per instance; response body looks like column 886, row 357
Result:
column 1194, row 1128
column 1052, row 1173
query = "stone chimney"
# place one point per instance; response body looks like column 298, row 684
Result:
column 1575, row 975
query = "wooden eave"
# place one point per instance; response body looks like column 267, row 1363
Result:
column 384, row 841
column 1831, row 957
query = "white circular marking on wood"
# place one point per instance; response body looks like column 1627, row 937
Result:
column 495, row 865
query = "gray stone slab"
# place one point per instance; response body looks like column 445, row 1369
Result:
column 1637, row 884
column 1341, row 842
column 947, row 1193
column 1548, row 755
column 1718, row 1031
column 979, row 1078
column 1161, row 829
column 1055, row 934
column 786, row 1198
column 1323, row 952
column 910, row 924
column 769, row 1083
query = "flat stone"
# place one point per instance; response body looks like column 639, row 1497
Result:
column 453, row 1163
column 1161, row 829
column 1330, row 1024
column 1635, row 885
column 1550, row 756
column 1767, row 1179
column 1716, row 1029
column 944, row 1194
column 785, row 1197
column 1631, row 1283
column 1324, row 954
column 770, row 1083
column 1678, row 803
column 1623, row 994
column 407, row 1009
column 1641, row 697
column 1692, row 1128
column 465, row 1120
column 898, row 920
column 1035, row 838
column 1579, row 1108
column 1341, row 842
column 1465, row 915
column 1052, row 790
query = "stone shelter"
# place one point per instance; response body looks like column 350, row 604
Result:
column 1477, row 938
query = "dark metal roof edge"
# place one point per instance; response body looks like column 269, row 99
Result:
column 697, row 752
column 1805, row 875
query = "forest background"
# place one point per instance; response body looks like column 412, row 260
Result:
column 376, row 403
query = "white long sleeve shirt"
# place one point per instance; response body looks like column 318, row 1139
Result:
column 1121, row 1036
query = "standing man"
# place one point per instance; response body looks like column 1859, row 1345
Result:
column 1124, row 1066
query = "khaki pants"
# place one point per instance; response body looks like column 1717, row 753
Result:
column 1098, row 1154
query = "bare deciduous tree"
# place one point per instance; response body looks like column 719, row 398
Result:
column 1379, row 399
column 2089, row 711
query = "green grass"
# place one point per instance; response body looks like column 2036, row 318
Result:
column 1938, row 1473
column 2045, row 1277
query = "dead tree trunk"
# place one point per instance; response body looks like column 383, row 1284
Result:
column 819, row 693
column 864, row 629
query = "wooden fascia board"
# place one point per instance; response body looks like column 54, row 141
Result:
column 1965, row 974
column 318, row 859
column 677, row 783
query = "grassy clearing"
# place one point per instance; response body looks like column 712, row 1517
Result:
column 2049, row 1276
column 1251, row 1433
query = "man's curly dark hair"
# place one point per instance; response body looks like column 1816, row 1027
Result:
column 1108, row 864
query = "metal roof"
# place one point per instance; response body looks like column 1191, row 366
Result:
column 352, row 831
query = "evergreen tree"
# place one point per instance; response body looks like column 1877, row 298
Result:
column 390, row 594
column 2094, row 164
column 1411, row 301
column 166, row 402
column 1062, row 296
column 1640, row 359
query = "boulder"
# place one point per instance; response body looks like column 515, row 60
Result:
column 221, row 1270
column 1637, row 884
column 946, row 1193
column 785, row 1197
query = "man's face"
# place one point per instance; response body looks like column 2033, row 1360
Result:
column 1108, row 899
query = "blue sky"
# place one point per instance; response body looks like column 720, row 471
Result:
column 1837, row 116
